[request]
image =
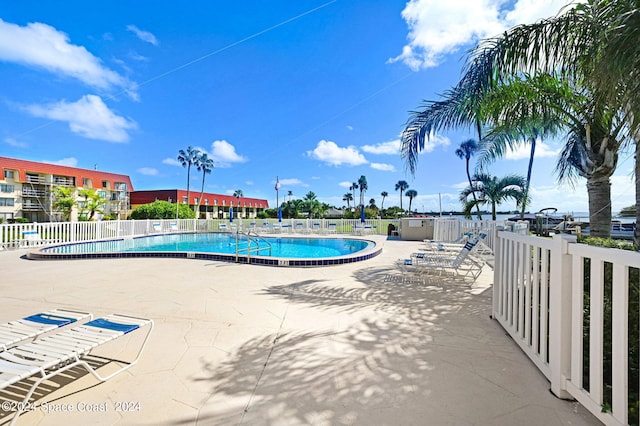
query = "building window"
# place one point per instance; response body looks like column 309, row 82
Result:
column 6, row 188
column 184, row 200
column 121, row 186
column 215, row 202
column 6, row 202
column 8, row 174
column 195, row 200
column 102, row 194
column 86, row 183
column 206, row 201
column 105, row 184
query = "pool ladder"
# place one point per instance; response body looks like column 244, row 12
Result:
column 251, row 238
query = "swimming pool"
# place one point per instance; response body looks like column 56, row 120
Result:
column 280, row 251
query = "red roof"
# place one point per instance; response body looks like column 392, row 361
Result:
column 96, row 176
column 149, row 196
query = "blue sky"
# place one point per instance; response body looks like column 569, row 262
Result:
column 314, row 92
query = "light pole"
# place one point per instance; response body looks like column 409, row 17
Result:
column 277, row 194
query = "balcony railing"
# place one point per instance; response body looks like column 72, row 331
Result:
column 36, row 179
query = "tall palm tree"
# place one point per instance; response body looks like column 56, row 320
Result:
column 204, row 165
column 353, row 188
column 465, row 151
column 411, row 193
column 188, row 158
column 238, row 194
column 492, row 190
column 384, row 195
column 347, row 197
column 289, row 194
column 401, row 186
column 372, row 204
column 362, row 184
column 595, row 43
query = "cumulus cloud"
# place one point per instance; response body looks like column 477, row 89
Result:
column 438, row 28
column 89, row 117
column 329, row 152
column 69, row 161
column 523, row 151
column 15, row 143
column 148, row 171
column 383, row 167
column 291, row 182
column 143, row 35
column 42, row 46
column 171, row 162
column 345, row 184
column 435, row 140
column 391, row 148
column 223, row 154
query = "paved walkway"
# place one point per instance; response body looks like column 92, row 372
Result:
column 356, row 344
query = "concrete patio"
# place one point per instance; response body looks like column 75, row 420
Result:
column 357, row 344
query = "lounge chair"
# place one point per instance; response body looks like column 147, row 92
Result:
column 18, row 331
column 157, row 227
column 173, row 226
column 460, row 265
column 58, row 352
column 331, row 229
column 33, row 239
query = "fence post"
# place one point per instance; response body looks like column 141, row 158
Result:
column 560, row 314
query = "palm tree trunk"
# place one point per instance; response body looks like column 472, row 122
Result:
column 599, row 192
column 474, row 194
column 401, row 200
column 636, row 228
column 529, row 169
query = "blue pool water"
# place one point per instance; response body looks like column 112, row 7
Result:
column 281, row 247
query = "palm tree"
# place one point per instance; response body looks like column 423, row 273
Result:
column 372, row 204
column 465, row 151
column 402, row 186
column 362, row 184
column 347, row 197
column 492, row 190
column 412, row 193
column 384, row 195
column 238, row 194
column 597, row 44
column 353, row 188
column 204, row 165
column 187, row 159
column 289, row 194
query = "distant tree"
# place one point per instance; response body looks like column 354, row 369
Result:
column 372, row 204
column 204, row 165
column 384, row 194
column 238, row 194
column 289, row 194
column 93, row 203
column 412, row 193
column 465, row 151
column 347, row 197
column 162, row 210
column 401, row 186
column 63, row 201
column 353, row 188
column 493, row 191
column 188, row 158
column 362, row 184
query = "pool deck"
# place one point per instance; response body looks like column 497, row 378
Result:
column 354, row 344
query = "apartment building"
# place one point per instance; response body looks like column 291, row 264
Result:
column 27, row 190
column 210, row 206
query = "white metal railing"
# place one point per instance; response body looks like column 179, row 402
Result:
column 11, row 235
column 539, row 290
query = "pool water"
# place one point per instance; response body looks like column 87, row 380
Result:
column 282, row 247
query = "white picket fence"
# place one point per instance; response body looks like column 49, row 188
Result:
column 538, row 297
column 15, row 235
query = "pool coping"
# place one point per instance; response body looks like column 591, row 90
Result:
column 360, row 256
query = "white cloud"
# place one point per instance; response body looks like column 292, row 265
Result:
column 523, row 151
column 291, row 182
column 89, row 117
column 15, row 143
column 148, row 171
column 143, row 35
column 383, row 167
column 345, row 184
column 171, row 162
column 70, row 162
column 438, row 28
column 42, row 46
column 391, row 148
column 329, row 152
column 434, row 141
column 223, row 154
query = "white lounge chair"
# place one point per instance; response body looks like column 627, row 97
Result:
column 157, row 227
column 27, row 328
column 461, row 265
column 58, row 352
column 33, row 239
